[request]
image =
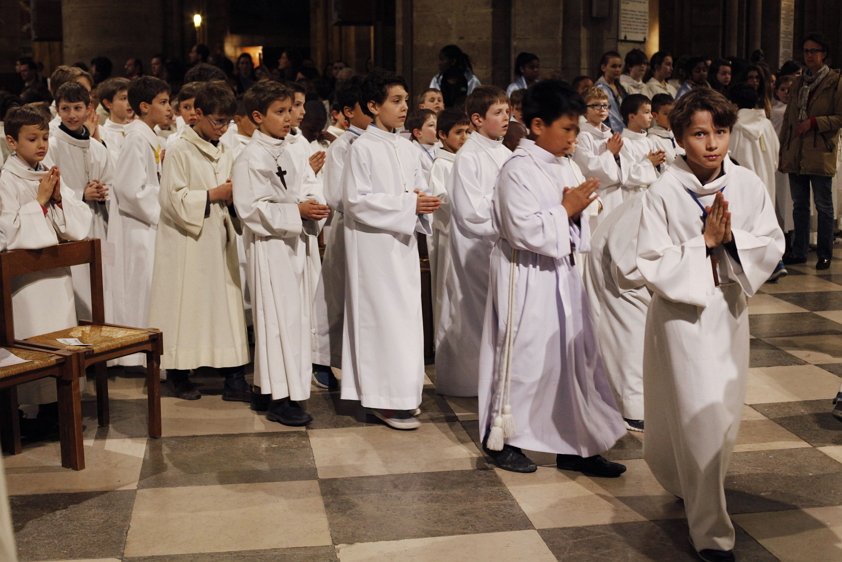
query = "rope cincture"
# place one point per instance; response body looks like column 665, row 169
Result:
column 504, row 423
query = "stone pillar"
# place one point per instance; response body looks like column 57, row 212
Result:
column 118, row 30
column 537, row 27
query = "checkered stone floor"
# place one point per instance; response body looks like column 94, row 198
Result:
column 225, row 484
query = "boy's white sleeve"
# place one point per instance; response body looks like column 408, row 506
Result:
column 637, row 169
column 391, row 212
column 137, row 195
column 596, row 161
column 258, row 206
column 184, row 206
column 471, row 202
column 23, row 224
column 72, row 220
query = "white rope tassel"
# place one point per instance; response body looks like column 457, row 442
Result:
column 504, row 423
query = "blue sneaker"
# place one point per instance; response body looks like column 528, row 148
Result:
column 780, row 271
column 323, row 378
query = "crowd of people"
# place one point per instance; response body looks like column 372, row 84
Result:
column 592, row 244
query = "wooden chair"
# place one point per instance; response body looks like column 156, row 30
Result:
column 107, row 341
column 66, row 368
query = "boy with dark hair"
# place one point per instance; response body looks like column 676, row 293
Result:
column 113, row 95
column 276, row 256
column 640, row 158
column 660, row 132
column 62, row 75
column 37, row 210
column 472, row 235
column 330, row 295
column 185, row 112
column 701, row 255
column 196, row 297
column 132, row 229
column 239, row 134
column 452, row 127
column 421, row 125
column 386, row 202
column 542, row 386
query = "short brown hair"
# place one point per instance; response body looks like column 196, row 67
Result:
column 188, row 91
column 73, row 92
column 21, row 116
column 417, row 119
column 482, row 98
column 216, row 97
column 595, row 93
column 144, row 89
column 263, row 94
column 63, row 74
column 111, row 87
column 723, row 112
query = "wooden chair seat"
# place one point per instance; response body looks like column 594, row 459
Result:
column 102, row 338
column 66, row 368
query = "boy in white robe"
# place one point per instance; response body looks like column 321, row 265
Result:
column 276, row 257
column 542, row 385
column 132, row 229
column 452, row 126
column 640, row 157
column 472, row 236
column 619, row 300
column 755, row 145
column 421, row 125
column 37, row 210
column 708, row 239
column 185, row 111
column 386, row 202
column 86, row 168
column 195, row 297
column 598, row 151
column 330, row 294
column 113, row 95
column 660, row 132
column 304, row 165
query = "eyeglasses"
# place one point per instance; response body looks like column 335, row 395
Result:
column 813, row 51
column 218, row 123
column 598, row 106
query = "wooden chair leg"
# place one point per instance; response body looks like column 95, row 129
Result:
column 9, row 421
column 103, row 412
column 153, row 392
column 70, row 420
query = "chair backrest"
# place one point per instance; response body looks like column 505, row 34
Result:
column 14, row 263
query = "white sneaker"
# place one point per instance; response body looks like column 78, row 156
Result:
column 397, row 419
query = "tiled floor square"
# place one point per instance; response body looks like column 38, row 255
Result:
column 513, row 545
column 299, row 554
column 430, row 504
column 764, row 354
column 224, row 518
column 809, row 534
column 833, row 451
column 800, row 284
column 811, row 420
column 549, row 496
column 777, row 480
column 793, row 324
column 832, row 315
column 112, row 464
column 60, row 526
column 765, row 434
column 380, row 450
column 227, row 459
column 814, row 301
column 814, row 349
column 789, row 384
column 762, row 303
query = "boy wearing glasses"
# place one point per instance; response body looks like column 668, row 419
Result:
column 196, row 298
column 598, row 151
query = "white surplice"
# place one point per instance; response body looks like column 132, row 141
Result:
column 196, row 298
column 696, row 352
column 132, row 229
column 42, row 302
column 664, row 139
column 276, row 258
column 113, row 135
column 596, row 161
column 330, row 293
column 560, row 397
column 438, row 248
column 81, row 161
column 619, row 301
column 783, row 197
column 306, row 184
column 472, row 236
column 755, row 145
column 653, row 88
column 383, row 337
column 638, row 172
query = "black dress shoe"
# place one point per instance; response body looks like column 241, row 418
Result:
column 596, row 465
column 712, row 555
column 179, row 383
column 793, row 260
column 236, row 389
column 823, row 263
column 260, row 402
column 511, row 459
column 288, row 412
